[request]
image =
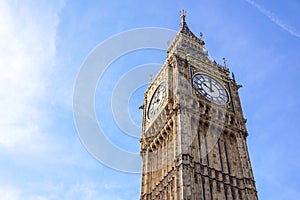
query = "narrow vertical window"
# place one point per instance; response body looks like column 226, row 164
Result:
column 226, row 154
column 199, row 145
column 220, row 155
column 203, row 187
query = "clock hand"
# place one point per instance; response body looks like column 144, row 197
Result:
column 210, row 88
column 205, row 85
column 210, row 84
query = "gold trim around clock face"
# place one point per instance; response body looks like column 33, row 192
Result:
column 157, row 100
column 211, row 88
column 214, row 75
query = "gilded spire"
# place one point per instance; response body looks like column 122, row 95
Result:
column 185, row 29
column 183, row 24
column 182, row 15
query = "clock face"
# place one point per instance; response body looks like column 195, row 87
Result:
column 211, row 89
column 157, row 100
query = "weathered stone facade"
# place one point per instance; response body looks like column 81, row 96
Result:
column 194, row 149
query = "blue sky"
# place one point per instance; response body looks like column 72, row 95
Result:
column 44, row 44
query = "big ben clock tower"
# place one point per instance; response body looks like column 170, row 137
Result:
column 193, row 143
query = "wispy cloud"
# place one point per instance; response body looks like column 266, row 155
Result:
column 9, row 192
column 86, row 190
column 27, row 56
column 275, row 19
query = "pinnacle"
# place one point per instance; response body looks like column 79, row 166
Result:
column 185, row 29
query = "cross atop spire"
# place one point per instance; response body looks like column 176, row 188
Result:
column 185, row 29
column 182, row 14
column 183, row 24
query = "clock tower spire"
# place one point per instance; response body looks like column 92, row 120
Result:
column 193, row 143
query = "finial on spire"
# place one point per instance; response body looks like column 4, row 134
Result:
column 182, row 14
column 233, row 77
column 225, row 63
column 150, row 78
column 201, row 35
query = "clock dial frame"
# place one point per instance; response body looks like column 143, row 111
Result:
column 157, row 100
column 211, row 89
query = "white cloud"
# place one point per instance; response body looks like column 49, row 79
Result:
column 27, row 56
column 9, row 193
column 85, row 190
column 275, row 19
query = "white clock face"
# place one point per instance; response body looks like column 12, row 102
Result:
column 157, row 100
column 211, row 89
